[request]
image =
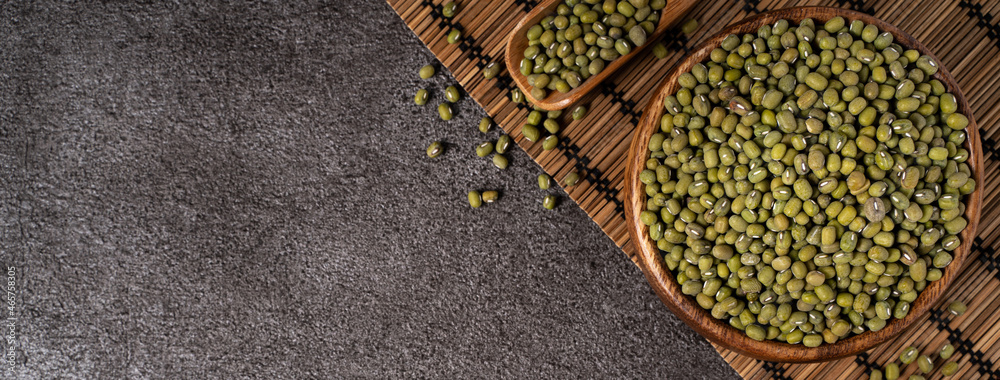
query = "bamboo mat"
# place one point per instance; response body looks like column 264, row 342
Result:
column 962, row 33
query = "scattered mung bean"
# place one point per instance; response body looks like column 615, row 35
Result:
column 925, row 364
column 503, row 144
column 491, row 70
column 549, row 202
column 449, row 9
column 444, row 110
column 544, row 181
column 957, row 308
column 490, row 196
column 451, row 94
column 690, row 26
column 891, row 371
column 426, row 72
column 571, row 179
column 908, row 355
column 435, row 149
column 500, row 161
column 949, row 368
column 947, row 351
column 454, row 36
column 550, row 142
column 484, row 148
column 475, row 199
column 485, row 124
column 421, row 97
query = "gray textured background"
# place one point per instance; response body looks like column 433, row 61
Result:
column 241, row 191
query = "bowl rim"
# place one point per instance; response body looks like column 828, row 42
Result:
column 719, row 332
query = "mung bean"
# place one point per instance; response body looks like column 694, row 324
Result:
column 444, row 110
column 421, row 97
column 500, row 161
column 549, row 202
column 475, row 199
column 451, row 94
column 435, row 149
column 503, row 143
column 544, row 181
column 484, row 148
column 571, row 179
column 426, row 72
column 490, row 196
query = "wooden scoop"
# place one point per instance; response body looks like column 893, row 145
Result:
column 518, row 41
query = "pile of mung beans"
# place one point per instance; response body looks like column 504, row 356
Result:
column 807, row 180
column 583, row 36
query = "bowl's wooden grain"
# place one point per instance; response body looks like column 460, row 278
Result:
column 555, row 100
column 718, row 331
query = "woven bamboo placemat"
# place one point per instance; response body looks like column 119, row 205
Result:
column 962, row 33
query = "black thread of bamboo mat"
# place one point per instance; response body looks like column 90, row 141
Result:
column 987, row 255
column 528, row 4
column 983, row 20
column 751, row 6
column 864, row 359
column 677, row 41
column 582, row 165
column 777, row 372
column 989, row 146
column 625, row 106
column 857, row 5
column 964, row 346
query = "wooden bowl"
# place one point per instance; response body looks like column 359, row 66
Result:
column 555, row 100
column 718, row 331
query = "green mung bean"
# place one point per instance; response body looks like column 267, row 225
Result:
column 426, row 72
column 491, row 70
column 503, row 144
column 500, row 161
column 421, row 97
column 485, row 124
column 444, row 110
column 484, row 148
column 689, row 26
column 908, row 355
column 549, row 202
column 490, row 196
column 891, row 371
column 530, row 132
column 544, row 181
column 571, row 179
column 451, row 94
column 949, row 368
column 454, row 36
column 475, row 199
column 550, row 142
column 946, row 351
column 957, row 308
column 435, row 149
column 449, row 9
column 925, row 364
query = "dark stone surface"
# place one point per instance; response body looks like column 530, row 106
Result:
column 231, row 190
